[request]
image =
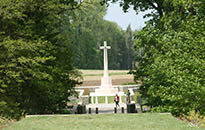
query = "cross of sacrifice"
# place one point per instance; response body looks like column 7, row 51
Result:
column 105, row 47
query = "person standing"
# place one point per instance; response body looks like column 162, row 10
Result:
column 116, row 99
column 128, row 96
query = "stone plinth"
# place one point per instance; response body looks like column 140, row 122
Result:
column 106, row 82
column 106, row 91
column 106, row 87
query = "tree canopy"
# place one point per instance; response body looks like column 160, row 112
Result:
column 34, row 76
column 41, row 45
column 171, row 52
column 89, row 30
column 173, row 59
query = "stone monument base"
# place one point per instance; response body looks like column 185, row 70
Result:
column 106, row 91
column 106, row 87
column 106, row 82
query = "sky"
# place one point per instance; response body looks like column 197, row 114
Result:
column 116, row 14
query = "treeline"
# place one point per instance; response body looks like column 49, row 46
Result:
column 171, row 55
column 42, row 43
column 37, row 74
column 89, row 31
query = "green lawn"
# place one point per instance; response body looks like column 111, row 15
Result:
column 145, row 121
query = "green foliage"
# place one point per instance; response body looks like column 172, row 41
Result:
column 110, row 99
column 4, row 122
column 101, row 99
column 195, row 118
column 172, row 64
column 158, row 8
column 36, row 69
column 88, row 30
column 129, row 48
column 170, row 54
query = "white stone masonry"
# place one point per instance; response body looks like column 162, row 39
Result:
column 106, row 87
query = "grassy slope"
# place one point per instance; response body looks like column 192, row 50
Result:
column 147, row 121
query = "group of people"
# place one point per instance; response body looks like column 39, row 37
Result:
column 116, row 98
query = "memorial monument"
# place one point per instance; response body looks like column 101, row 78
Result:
column 106, row 88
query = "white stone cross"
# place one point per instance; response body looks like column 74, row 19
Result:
column 105, row 47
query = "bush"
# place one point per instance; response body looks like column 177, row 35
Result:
column 4, row 122
column 11, row 110
column 195, row 118
column 63, row 111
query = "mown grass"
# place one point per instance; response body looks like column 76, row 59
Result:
column 145, row 121
column 101, row 99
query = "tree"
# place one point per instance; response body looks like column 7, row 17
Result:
column 129, row 44
column 173, row 64
column 85, row 31
column 171, row 58
column 159, row 8
column 88, row 31
column 34, row 77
